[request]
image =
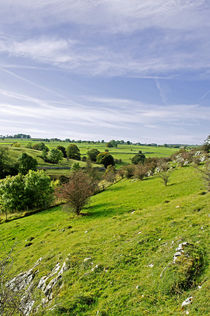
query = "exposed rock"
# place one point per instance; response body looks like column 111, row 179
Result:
column 87, row 259
column 151, row 265
column 47, row 288
column 188, row 301
column 24, row 282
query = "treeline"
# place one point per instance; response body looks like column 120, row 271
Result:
column 111, row 143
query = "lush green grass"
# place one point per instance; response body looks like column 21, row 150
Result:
column 123, row 151
column 128, row 227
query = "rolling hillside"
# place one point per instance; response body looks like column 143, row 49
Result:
column 119, row 258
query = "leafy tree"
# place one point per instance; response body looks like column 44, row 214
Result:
column 77, row 191
column 138, row 158
column 92, row 154
column 40, row 146
column 4, row 158
column 75, row 167
column 54, row 156
column 112, row 143
column 12, row 196
column 63, row 150
column 38, row 190
column 26, row 163
column 105, row 159
column 73, row 152
column 23, row 192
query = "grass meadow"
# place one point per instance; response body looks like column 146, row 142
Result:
column 130, row 231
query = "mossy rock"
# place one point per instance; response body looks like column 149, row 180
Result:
column 182, row 274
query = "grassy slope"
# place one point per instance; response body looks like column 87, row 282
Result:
column 124, row 152
column 114, row 241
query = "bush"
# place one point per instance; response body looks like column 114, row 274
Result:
column 164, row 175
column 127, row 171
column 140, row 171
column 73, row 152
column 77, row 191
column 105, row 159
column 110, row 174
column 21, row 192
column 63, row 150
column 54, row 156
column 5, row 163
column 92, row 154
column 138, row 158
column 40, row 146
column 26, row 163
column 38, row 190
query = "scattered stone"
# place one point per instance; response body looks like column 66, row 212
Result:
column 188, row 301
column 199, row 287
column 179, row 251
column 94, row 268
column 187, row 312
column 86, row 231
column 151, row 265
column 87, row 259
column 139, row 233
column 137, row 287
column 177, row 206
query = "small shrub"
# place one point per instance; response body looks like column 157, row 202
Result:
column 110, row 174
column 105, row 159
column 77, row 191
column 138, row 158
column 140, row 171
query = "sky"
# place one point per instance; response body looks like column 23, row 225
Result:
column 136, row 70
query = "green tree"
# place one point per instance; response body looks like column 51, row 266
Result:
column 4, row 158
column 63, row 150
column 92, row 154
column 54, row 156
column 40, row 146
column 73, row 152
column 38, row 190
column 26, row 163
column 21, row 192
column 111, row 143
column 138, row 158
column 105, row 159
column 12, row 195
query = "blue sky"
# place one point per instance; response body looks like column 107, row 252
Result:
column 106, row 69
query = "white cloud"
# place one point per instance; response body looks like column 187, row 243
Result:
column 115, row 15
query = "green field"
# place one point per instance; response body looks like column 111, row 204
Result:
column 123, row 152
column 131, row 232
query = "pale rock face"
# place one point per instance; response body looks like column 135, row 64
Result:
column 187, row 301
column 24, row 281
